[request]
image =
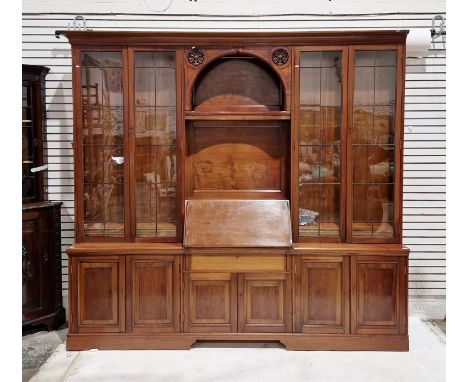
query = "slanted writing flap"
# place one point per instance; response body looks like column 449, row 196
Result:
column 237, row 223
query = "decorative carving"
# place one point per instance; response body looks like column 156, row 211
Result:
column 280, row 56
column 27, row 272
column 196, row 56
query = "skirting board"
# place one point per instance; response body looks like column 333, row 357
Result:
column 321, row 342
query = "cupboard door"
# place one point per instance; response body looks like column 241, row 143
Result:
column 321, row 128
column 101, row 145
column 210, row 302
column 379, row 295
column 153, row 294
column 265, row 303
column 322, row 295
column 100, row 298
column 374, row 145
column 35, row 274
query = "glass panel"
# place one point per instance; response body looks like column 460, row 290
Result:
column 155, row 138
column 320, row 144
column 103, row 128
column 373, row 144
column 27, row 139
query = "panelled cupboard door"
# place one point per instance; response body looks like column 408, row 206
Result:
column 264, row 303
column 153, row 294
column 34, row 265
column 322, row 295
column 100, row 292
column 210, row 302
column 379, row 295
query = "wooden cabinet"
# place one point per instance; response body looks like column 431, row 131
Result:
column 322, row 294
column 379, row 295
column 98, row 294
column 207, row 164
column 42, row 265
column 153, row 293
column 41, row 249
column 33, row 133
column 210, row 302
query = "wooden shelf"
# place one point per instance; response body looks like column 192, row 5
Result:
column 238, row 116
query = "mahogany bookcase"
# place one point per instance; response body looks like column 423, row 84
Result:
column 238, row 186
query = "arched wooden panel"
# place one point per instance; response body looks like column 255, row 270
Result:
column 194, row 69
column 237, row 83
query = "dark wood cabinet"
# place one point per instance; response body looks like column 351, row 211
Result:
column 42, row 265
column 248, row 185
column 33, row 133
column 41, row 243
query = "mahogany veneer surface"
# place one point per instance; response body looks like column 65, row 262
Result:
column 237, row 223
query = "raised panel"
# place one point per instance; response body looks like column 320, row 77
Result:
column 100, row 294
column 41, row 266
column 264, row 303
column 322, row 295
column 210, row 302
column 32, row 266
column 379, row 295
column 153, row 284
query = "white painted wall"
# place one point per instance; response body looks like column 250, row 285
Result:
column 424, row 155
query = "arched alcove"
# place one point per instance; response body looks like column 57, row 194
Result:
column 237, row 83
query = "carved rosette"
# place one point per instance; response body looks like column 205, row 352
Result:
column 195, row 56
column 280, row 56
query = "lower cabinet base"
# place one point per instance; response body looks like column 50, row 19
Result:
column 107, row 341
column 53, row 320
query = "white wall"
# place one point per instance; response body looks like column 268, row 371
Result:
column 424, row 156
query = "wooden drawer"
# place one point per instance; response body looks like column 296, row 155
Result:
column 237, row 263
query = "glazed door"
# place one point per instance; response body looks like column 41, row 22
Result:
column 101, row 162
column 322, row 294
column 153, row 148
column 379, row 295
column 265, row 303
column 98, row 294
column 126, row 164
column 153, row 294
column 375, row 144
column 210, row 302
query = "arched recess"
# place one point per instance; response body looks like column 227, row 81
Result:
column 238, row 82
